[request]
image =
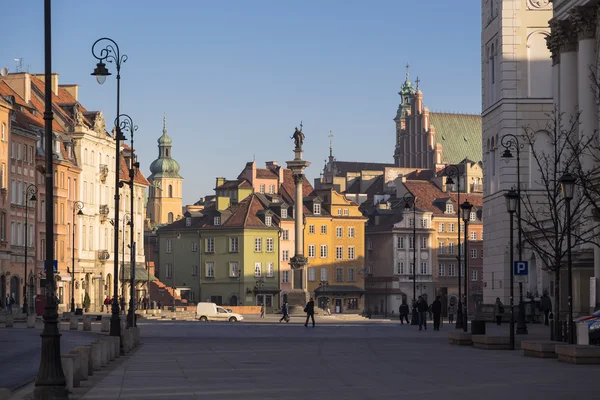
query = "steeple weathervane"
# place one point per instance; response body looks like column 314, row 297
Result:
column 330, row 143
column 407, row 66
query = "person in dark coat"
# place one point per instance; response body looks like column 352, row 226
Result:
column 436, row 309
column 546, row 306
column 310, row 312
column 422, row 308
column 284, row 311
column 403, row 310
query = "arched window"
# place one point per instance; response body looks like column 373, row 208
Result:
column 170, row 220
column 167, row 152
column 170, row 190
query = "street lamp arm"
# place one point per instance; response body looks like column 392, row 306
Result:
column 511, row 142
column 125, row 123
column 451, row 170
column 109, row 53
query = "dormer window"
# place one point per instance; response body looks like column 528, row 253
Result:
column 268, row 220
column 449, row 208
column 473, row 216
column 317, row 209
column 284, row 213
column 217, row 221
column 188, row 221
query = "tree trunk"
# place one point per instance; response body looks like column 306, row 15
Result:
column 557, row 300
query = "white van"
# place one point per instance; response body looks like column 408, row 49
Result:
column 213, row 312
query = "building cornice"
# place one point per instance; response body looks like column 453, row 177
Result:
column 583, row 19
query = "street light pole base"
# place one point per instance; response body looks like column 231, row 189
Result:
column 459, row 317
column 521, row 325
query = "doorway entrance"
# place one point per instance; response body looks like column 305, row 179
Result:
column 338, row 306
column 266, row 299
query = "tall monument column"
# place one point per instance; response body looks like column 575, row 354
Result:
column 299, row 295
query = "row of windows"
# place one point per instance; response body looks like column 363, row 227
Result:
column 339, row 274
column 233, row 242
column 232, row 270
column 451, row 227
column 423, row 242
column 451, row 271
column 339, row 231
column 21, row 152
column 424, row 270
column 324, row 252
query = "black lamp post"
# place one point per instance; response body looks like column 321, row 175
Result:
column 125, row 123
column 77, row 210
column 511, row 142
column 30, row 195
column 512, row 198
column 50, row 380
column 453, row 171
column 111, row 54
column 466, row 208
column 567, row 185
column 178, row 236
column 408, row 199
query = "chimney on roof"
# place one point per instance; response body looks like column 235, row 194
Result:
column 53, row 81
column 20, row 83
column 72, row 89
column 220, row 181
column 271, row 164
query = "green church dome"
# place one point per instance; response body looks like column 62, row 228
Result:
column 164, row 166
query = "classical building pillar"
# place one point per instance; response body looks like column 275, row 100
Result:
column 584, row 23
column 553, row 44
column 567, row 38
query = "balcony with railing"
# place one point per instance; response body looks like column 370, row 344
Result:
column 103, row 172
column 103, row 255
column 103, row 212
column 476, row 188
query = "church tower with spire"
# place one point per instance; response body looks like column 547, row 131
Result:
column 165, row 192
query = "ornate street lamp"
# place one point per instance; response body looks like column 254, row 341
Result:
column 511, row 142
column 111, row 54
column 466, row 208
column 125, row 123
column 50, row 380
column 452, row 171
column 567, row 185
column 30, row 195
column 77, row 210
column 512, row 198
column 408, row 200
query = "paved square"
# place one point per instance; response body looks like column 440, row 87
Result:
column 192, row 360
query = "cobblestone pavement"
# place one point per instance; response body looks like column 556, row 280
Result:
column 20, row 351
column 192, row 360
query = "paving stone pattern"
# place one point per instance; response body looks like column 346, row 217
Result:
column 192, row 360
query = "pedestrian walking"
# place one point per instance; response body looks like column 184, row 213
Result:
column 422, row 308
column 451, row 311
column 310, row 312
column 403, row 310
column 9, row 303
column 262, row 310
column 159, row 305
column 284, row 311
column 436, row 309
column 498, row 311
column 546, row 306
column 106, row 303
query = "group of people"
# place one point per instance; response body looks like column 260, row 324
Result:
column 545, row 307
column 422, row 309
column 285, row 310
column 143, row 304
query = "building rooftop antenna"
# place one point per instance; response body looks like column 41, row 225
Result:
column 19, row 64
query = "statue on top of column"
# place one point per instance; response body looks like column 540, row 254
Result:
column 298, row 137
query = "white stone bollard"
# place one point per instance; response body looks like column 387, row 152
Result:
column 96, row 356
column 105, row 357
column 87, row 349
column 9, row 321
column 83, row 362
column 115, row 342
column 105, row 325
column 87, row 323
column 73, row 323
column 67, row 366
column 31, row 321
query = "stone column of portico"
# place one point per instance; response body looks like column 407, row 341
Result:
column 584, row 22
column 567, row 37
column 297, row 298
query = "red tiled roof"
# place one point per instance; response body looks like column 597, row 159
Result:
column 244, row 214
column 138, row 176
column 265, row 173
column 287, row 187
column 426, row 193
column 235, row 184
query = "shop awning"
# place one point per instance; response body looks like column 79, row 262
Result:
column 141, row 273
column 339, row 290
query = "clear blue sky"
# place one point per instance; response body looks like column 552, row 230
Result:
column 236, row 77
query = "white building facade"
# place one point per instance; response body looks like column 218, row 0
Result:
column 517, row 91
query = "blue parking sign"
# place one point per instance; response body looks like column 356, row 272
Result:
column 54, row 265
column 521, row 268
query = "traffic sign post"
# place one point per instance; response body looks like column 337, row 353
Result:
column 54, row 266
column 521, row 268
